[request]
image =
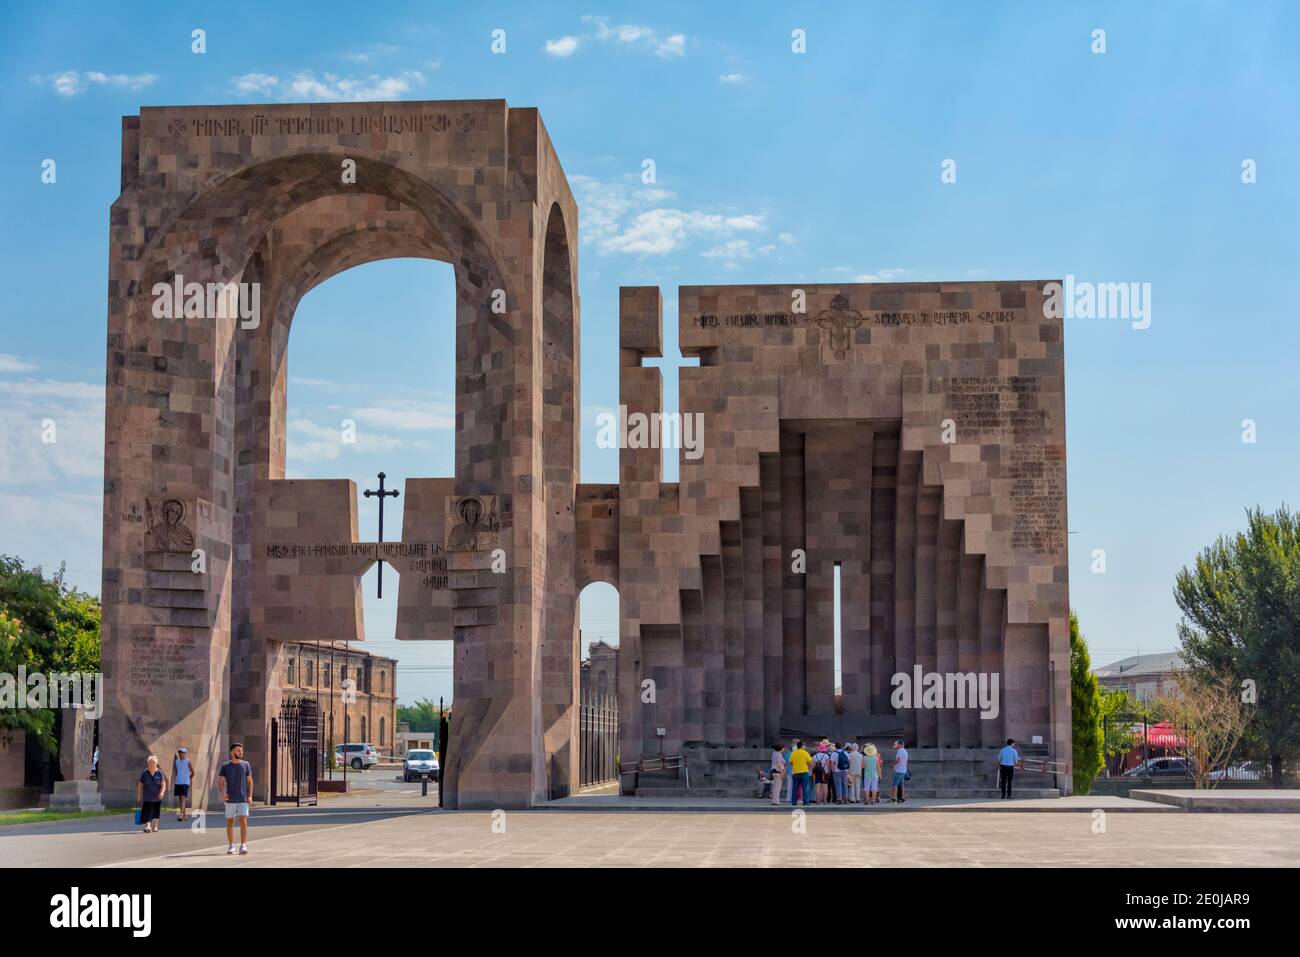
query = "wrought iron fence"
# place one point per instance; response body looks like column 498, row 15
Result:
column 598, row 740
column 295, row 752
column 1139, row 749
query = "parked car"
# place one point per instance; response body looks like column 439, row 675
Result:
column 420, row 762
column 356, row 756
column 1174, row 767
column 1245, row 771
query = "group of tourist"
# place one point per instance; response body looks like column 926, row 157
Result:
column 234, row 779
column 834, row 773
column 847, row 774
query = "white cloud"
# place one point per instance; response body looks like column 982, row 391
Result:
column 635, row 35
column 53, row 527
column 659, row 231
column 408, row 419
column 675, row 45
column 372, row 52
column 310, row 442
column 562, row 47
column 786, row 237
column 732, row 249
column 11, row 363
column 733, row 78
column 74, row 82
column 883, row 275
column 424, row 411
column 620, row 218
column 305, row 85
column 256, row 83
column 76, row 410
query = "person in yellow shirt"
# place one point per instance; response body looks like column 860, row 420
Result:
column 800, row 761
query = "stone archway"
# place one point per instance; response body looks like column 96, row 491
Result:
column 558, row 645
column 260, row 195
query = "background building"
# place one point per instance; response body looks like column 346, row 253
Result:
column 1144, row 677
column 599, row 671
column 319, row 670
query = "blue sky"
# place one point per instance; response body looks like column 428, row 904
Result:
column 771, row 166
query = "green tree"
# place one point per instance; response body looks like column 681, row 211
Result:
column 49, row 627
column 421, row 716
column 1119, row 710
column 1241, row 605
column 1085, row 712
column 16, row 650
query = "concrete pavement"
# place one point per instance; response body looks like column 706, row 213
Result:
column 391, row 825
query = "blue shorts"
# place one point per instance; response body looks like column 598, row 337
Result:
column 899, row 778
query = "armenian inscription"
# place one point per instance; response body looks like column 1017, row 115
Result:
column 426, row 561
column 162, row 660
column 261, row 124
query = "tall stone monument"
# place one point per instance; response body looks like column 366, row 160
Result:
column 906, row 439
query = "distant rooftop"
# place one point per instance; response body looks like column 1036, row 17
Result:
column 1158, row 663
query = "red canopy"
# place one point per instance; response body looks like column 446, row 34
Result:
column 1162, row 735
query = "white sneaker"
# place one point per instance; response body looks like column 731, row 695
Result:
column 243, row 848
column 230, row 849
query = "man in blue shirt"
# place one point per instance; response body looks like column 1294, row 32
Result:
column 1008, row 758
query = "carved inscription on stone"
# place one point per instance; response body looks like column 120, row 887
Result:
column 842, row 312
column 260, row 124
column 1036, row 496
column 426, row 561
column 996, row 407
column 161, row 661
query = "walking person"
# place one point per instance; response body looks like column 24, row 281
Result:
column 871, row 765
column 778, row 772
column 901, row 773
column 855, row 775
column 149, row 791
column 1008, row 758
column 182, row 776
column 799, row 763
column 235, row 779
column 840, row 774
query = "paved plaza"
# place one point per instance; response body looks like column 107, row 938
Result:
column 394, row 826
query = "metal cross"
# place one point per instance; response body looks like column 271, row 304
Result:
column 382, row 495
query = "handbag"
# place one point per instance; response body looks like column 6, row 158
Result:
column 139, row 815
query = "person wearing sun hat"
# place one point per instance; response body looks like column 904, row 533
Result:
column 871, row 764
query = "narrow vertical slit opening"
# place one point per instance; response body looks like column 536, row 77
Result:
column 839, row 658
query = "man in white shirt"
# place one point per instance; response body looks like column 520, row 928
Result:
column 1008, row 758
column 900, row 772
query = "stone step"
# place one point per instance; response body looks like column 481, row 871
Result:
column 941, row 794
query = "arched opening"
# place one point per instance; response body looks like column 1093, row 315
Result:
column 598, row 687
column 370, row 389
column 559, row 411
column 287, row 225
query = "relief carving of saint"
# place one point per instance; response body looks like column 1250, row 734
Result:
column 167, row 531
column 477, row 528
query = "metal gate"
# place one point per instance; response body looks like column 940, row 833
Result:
column 598, row 737
column 295, row 752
